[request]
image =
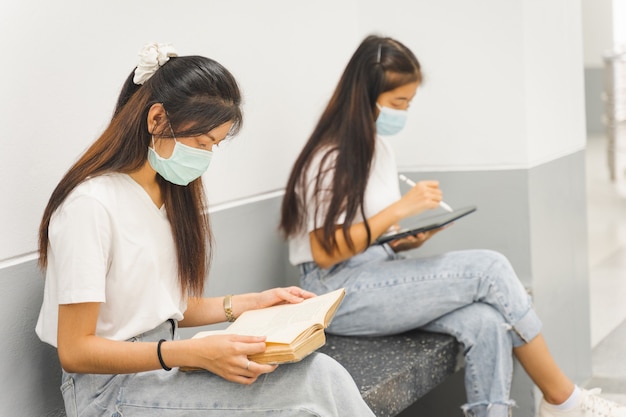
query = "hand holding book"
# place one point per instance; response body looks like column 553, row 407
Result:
column 292, row 331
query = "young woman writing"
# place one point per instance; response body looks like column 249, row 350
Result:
column 125, row 241
column 343, row 194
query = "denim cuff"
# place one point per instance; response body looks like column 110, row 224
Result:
column 502, row 409
column 526, row 328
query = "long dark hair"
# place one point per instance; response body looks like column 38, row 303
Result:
column 346, row 135
column 199, row 95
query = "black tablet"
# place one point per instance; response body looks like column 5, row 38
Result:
column 418, row 224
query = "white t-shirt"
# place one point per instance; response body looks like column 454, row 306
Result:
column 110, row 244
column 382, row 190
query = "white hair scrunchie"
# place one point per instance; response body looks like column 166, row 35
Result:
column 151, row 58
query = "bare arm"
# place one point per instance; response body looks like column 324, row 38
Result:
column 423, row 196
column 203, row 311
column 81, row 351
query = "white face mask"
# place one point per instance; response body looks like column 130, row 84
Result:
column 185, row 165
column 390, row 121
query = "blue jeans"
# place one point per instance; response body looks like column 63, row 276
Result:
column 316, row 386
column 473, row 295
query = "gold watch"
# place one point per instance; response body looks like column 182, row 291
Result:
column 228, row 308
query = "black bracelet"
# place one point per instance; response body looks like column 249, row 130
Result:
column 163, row 365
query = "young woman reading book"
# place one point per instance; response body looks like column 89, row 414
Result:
column 125, row 241
column 343, row 194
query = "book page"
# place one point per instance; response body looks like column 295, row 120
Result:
column 283, row 323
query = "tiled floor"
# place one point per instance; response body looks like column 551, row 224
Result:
column 606, row 213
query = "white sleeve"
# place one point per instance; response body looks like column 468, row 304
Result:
column 79, row 248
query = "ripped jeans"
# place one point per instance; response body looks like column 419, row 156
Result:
column 473, row 295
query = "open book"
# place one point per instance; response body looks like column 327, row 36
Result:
column 293, row 330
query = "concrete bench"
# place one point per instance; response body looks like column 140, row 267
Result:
column 393, row 372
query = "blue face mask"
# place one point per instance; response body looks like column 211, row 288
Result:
column 390, row 121
column 185, row 165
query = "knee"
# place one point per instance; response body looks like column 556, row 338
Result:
column 488, row 263
column 495, row 260
column 498, row 268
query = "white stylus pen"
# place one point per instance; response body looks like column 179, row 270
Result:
column 442, row 204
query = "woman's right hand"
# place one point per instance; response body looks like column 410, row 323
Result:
column 413, row 242
column 81, row 351
column 425, row 195
column 226, row 355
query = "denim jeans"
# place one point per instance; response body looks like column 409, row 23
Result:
column 315, row 386
column 473, row 295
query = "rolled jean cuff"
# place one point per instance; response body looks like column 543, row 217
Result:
column 526, row 328
column 501, row 409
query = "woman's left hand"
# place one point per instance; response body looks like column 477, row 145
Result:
column 413, row 242
column 288, row 295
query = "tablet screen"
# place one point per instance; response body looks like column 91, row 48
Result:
column 420, row 223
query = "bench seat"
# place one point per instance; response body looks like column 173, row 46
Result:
column 393, row 372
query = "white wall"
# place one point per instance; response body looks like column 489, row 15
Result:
column 598, row 25
column 486, row 64
column 619, row 22
column 604, row 22
column 553, row 80
column 66, row 61
column 471, row 57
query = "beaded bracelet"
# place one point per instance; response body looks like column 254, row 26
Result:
column 163, row 365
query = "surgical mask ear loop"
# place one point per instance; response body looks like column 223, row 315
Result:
column 155, row 126
column 154, row 145
column 171, row 130
column 170, row 125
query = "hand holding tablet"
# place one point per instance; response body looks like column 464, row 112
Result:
column 418, row 224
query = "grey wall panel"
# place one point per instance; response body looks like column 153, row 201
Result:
column 559, row 257
column 249, row 253
column 538, row 219
column 594, row 106
column 31, row 375
column 500, row 222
